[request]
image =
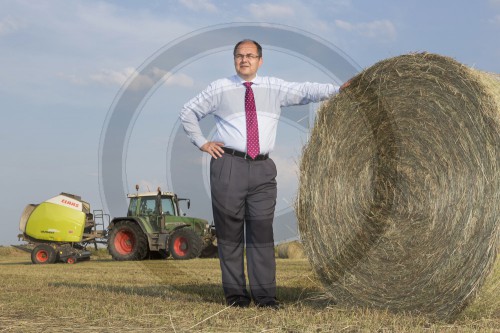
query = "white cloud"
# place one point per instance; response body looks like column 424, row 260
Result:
column 181, row 80
column 381, row 29
column 9, row 25
column 112, row 77
column 140, row 81
column 199, row 5
column 267, row 11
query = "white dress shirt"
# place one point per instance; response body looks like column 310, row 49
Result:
column 225, row 99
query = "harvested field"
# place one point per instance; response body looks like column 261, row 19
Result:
column 102, row 295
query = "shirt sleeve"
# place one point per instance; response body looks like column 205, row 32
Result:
column 195, row 110
column 295, row 93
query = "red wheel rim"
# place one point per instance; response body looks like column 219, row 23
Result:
column 124, row 242
column 71, row 261
column 181, row 246
column 42, row 256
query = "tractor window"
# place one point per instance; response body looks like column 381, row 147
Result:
column 148, row 206
column 167, row 206
column 132, row 208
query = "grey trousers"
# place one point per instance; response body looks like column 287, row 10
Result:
column 243, row 202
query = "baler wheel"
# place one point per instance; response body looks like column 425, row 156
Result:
column 43, row 254
column 71, row 260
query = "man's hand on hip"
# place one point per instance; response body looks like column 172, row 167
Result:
column 214, row 148
column 345, row 85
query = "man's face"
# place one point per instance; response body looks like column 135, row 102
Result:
column 246, row 61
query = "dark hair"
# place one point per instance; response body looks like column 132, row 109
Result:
column 259, row 48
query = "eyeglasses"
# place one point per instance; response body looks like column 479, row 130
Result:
column 243, row 56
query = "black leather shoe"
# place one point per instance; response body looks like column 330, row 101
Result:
column 240, row 304
column 273, row 305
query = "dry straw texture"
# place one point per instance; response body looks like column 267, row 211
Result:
column 398, row 204
column 291, row 250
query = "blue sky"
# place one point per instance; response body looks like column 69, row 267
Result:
column 63, row 63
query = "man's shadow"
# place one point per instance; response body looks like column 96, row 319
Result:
column 205, row 292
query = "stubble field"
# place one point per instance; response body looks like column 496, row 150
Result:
column 102, row 295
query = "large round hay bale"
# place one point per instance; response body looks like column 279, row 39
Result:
column 296, row 251
column 282, row 250
column 399, row 197
column 291, row 250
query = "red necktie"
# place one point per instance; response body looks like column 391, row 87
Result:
column 253, row 147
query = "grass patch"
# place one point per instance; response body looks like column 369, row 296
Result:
column 102, row 295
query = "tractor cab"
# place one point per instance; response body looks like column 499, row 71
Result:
column 155, row 204
column 151, row 203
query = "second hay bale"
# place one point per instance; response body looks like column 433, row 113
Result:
column 291, row 250
column 399, row 194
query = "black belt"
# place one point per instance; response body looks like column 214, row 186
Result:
column 245, row 155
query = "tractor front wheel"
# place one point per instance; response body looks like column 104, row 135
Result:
column 185, row 244
column 127, row 241
column 43, row 254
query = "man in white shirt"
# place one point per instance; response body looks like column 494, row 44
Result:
column 246, row 108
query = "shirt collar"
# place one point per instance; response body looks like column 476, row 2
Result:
column 239, row 81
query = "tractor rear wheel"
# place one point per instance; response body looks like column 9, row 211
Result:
column 43, row 254
column 127, row 241
column 185, row 244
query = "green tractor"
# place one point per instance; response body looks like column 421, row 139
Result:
column 155, row 227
